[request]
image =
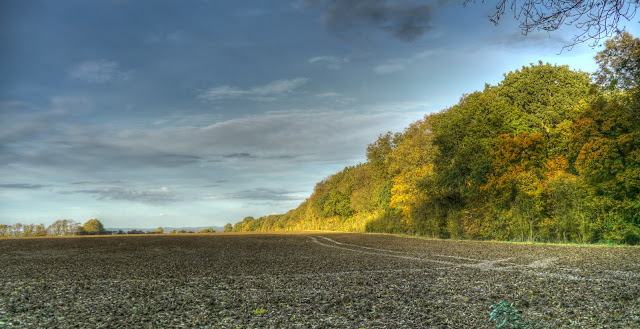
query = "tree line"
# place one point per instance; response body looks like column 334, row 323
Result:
column 61, row 227
column 548, row 154
column 69, row 227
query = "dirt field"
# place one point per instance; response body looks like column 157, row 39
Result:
column 314, row 280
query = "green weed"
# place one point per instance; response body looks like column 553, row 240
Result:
column 258, row 311
column 506, row 315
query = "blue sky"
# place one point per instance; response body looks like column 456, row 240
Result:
column 196, row 113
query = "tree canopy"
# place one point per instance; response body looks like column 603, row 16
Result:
column 93, row 227
column 547, row 154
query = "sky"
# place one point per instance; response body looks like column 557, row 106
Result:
column 199, row 113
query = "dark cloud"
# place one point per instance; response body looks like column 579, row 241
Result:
column 405, row 20
column 176, row 160
column 23, row 186
column 97, row 182
column 262, row 194
column 240, row 156
column 162, row 195
column 259, row 146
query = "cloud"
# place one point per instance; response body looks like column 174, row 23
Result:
column 329, row 94
column 261, row 194
column 97, row 182
column 400, row 64
column 250, row 148
column 330, row 62
column 23, row 186
column 405, row 20
column 162, row 195
column 98, row 72
column 265, row 92
column 536, row 38
column 71, row 104
column 240, row 156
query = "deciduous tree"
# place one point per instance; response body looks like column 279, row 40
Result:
column 93, row 227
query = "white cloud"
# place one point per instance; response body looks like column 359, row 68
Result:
column 263, row 141
column 392, row 66
column 329, row 94
column 260, row 194
column 400, row 64
column 268, row 91
column 330, row 62
column 98, row 71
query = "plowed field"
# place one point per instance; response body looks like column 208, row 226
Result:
column 310, row 280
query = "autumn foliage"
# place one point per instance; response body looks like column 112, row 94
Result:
column 546, row 155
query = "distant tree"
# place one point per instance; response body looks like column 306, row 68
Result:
column 28, row 229
column 182, row 231
column 16, row 229
column 160, row 230
column 207, row 230
column 228, row 228
column 120, row 232
column 595, row 20
column 75, row 228
column 173, row 232
column 4, row 230
column 79, row 230
column 40, row 230
column 61, row 227
column 135, row 232
column 93, row 227
column 239, row 226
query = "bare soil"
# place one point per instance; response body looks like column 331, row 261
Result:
column 310, row 280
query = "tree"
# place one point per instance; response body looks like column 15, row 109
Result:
column 4, row 230
column 16, row 229
column 93, row 227
column 206, row 230
column 619, row 63
column 337, row 205
column 228, row 228
column 160, row 230
column 544, row 95
column 28, row 229
column 40, row 230
column 595, row 20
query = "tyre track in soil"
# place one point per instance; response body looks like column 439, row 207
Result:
column 541, row 268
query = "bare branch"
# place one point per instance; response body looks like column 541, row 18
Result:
column 594, row 19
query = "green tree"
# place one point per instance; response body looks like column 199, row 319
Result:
column 40, row 230
column 240, row 226
column 160, row 230
column 93, row 227
column 544, row 95
column 228, row 228
column 28, row 229
column 619, row 63
column 62, row 227
column 378, row 152
column 337, row 204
